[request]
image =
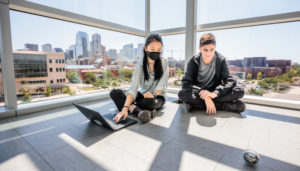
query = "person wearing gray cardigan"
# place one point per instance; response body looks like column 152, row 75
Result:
column 148, row 87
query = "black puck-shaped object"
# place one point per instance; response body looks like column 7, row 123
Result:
column 251, row 157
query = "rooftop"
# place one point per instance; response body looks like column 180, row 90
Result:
column 63, row 139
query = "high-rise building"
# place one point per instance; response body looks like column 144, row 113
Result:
column 128, row 51
column 32, row 47
column 47, row 47
column 96, row 48
column 140, row 51
column 112, row 53
column 76, row 51
column 58, row 50
column 82, row 40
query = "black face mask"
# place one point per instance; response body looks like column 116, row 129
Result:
column 153, row 55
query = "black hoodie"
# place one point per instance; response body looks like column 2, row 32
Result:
column 224, row 82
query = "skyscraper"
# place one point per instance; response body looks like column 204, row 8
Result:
column 82, row 40
column 32, row 47
column 96, row 44
column 75, row 51
column 112, row 53
column 58, row 50
column 47, row 47
column 128, row 51
column 140, row 51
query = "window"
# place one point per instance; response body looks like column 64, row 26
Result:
column 172, row 18
column 51, row 81
column 210, row 11
column 174, row 51
column 130, row 12
column 50, row 69
column 50, row 61
column 84, row 48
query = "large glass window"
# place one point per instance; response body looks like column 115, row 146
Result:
column 174, row 51
column 265, row 63
column 210, row 11
column 167, row 14
column 125, row 12
column 56, row 59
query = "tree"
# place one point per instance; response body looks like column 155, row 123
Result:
column 26, row 95
column 48, row 92
column 67, row 90
column 90, row 78
column 179, row 73
column 125, row 73
column 249, row 76
column 73, row 77
column 259, row 76
column 107, row 75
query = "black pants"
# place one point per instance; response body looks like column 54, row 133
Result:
column 191, row 96
column 119, row 98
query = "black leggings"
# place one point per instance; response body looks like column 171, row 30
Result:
column 191, row 96
column 119, row 97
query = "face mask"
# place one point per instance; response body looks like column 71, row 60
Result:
column 153, row 55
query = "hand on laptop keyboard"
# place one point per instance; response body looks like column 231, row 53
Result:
column 121, row 114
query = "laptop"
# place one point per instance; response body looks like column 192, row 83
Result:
column 104, row 120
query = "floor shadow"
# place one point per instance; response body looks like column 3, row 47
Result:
column 272, row 116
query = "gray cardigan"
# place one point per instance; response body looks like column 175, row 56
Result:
column 138, row 83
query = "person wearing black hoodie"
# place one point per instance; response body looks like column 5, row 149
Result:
column 207, row 83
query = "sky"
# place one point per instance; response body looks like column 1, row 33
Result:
column 277, row 41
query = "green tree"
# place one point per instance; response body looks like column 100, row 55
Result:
column 73, row 77
column 259, row 76
column 26, row 95
column 125, row 73
column 67, row 90
column 249, row 76
column 90, row 78
column 107, row 75
column 178, row 73
column 98, row 83
column 48, row 92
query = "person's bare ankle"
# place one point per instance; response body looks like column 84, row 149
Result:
column 131, row 108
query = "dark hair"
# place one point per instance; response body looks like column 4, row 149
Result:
column 207, row 38
column 158, row 70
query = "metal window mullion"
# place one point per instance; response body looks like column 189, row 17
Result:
column 7, row 62
column 190, row 30
column 147, row 17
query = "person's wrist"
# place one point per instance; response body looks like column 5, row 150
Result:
column 214, row 95
column 154, row 94
column 125, row 109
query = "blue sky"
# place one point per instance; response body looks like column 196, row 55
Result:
column 279, row 41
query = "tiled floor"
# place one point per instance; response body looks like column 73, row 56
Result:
column 62, row 139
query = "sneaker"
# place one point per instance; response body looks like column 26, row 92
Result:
column 153, row 113
column 144, row 116
column 187, row 107
column 235, row 106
